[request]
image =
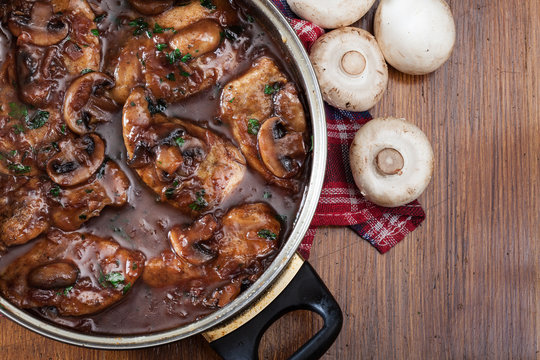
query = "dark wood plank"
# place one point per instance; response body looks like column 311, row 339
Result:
column 466, row 284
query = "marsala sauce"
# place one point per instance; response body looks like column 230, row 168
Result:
column 143, row 223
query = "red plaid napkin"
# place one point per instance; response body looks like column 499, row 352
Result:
column 341, row 203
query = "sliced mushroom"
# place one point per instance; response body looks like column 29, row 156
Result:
column 43, row 26
column 188, row 243
column 351, row 69
column 198, row 39
column 282, row 150
column 151, row 7
column 84, row 105
column 391, row 161
column 53, row 276
column 77, row 160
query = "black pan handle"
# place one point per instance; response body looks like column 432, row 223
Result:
column 305, row 292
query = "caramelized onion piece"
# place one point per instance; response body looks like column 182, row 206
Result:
column 43, row 26
column 84, row 106
column 77, row 160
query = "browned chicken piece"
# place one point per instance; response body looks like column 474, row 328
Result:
column 71, row 207
column 23, row 211
column 189, row 56
column 22, row 130
column 78, row 274
column 225, row 254
column 188, row 166
column 55, row 43
column 268, row 121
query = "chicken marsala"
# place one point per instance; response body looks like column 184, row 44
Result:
column 153, row 159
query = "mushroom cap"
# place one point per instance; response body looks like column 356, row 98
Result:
column 151, row 7
column 351, row 69
column 331, row 14
column 82, row 107
column 44, row 28
column 416, row 36
column 405, row 181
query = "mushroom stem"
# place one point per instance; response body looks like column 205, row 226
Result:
column 389, row 161
column 353, row 63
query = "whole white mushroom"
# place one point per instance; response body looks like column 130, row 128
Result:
column 350, row 68
column 416, row 36
column 391, row 161
column 331, row 14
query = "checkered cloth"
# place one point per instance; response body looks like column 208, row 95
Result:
column 341, row 203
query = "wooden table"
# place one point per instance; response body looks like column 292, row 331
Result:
column 466, row 284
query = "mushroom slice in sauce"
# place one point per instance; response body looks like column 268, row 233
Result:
column 247, row 102
column 188, row 242
column 85, row 104
column 282, row 150
column 76, row 273
column 245, row 238
column 151, row 7
column 23, row 211
column 77, row 160
column 74, row 206
column 44, row 70
column 188, row 166
column 43, row 26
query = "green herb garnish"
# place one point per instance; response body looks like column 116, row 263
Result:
column 200, row 203
column 55, row 191
column 86, row 71
column 208, row 4
column 171, row 77
column 19, row 168
column 95, row 32
column 160, row 47
column 40, row 118
column 253, row 126
column 267, row 234
column 271, row 89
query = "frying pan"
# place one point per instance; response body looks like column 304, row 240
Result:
column 288, row 284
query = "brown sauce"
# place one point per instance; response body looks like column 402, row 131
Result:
column 144, row 223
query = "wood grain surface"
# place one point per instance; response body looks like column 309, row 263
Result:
column 467, row 283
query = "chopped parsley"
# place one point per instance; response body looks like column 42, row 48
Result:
column 179, row 141
column 200, row 203
column 208, row 4
column 171, row 77
column 55, row 191
column 140, row 26
column 86, row 71
column 271, row 89
column 63, row 129
column 267, row 195
column 250, row 19
column 186, row 57
column 185, row 73
column 88, row 191
column 114, row 278
column 83, row 217
column 160, row 47
column 267, row 234
column 18, row 129
column 281, row 218
column 19, row 168
column 67, row 290
column 253, row 126
column 169, row 193
column 100, row 18
column 160, row 30
column 17, row 111
column 95, row 32
column 40, row 118
column 126, row 288
column 173, row 56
